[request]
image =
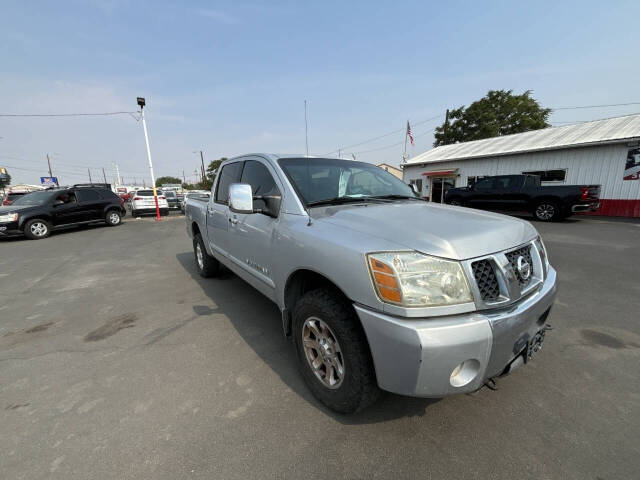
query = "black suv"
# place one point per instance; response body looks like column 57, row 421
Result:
column 36, row 214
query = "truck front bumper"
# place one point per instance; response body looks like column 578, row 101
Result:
column 435, row 357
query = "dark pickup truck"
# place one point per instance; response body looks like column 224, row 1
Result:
column 523, row 193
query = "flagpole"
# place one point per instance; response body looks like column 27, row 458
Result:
column 406, row 134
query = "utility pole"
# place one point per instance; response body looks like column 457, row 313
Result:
column 184, row 179
column 118, row 179
column 142, row 103
column 306, row 128
column 202, row 162
column 104, row 175
column 50, row 174
column 444, row 130
column 89, row 170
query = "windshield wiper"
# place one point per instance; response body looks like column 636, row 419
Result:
column 341, row 200
column 398, row 197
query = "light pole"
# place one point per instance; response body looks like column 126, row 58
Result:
column 142, row 103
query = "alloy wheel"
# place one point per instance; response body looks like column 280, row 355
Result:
column 38, row 229
column 323, row 353
column 199, row 256
column 545, row 211
column 114, row 218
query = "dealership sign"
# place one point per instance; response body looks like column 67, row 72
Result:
column 632, row 168
column 4, row 176
column 49, row 181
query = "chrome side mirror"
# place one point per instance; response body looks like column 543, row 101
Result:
column 240, row 198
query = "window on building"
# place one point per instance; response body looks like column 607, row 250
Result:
column 557, row 175
column 418, row 183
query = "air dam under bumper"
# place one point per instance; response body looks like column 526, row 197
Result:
column 417, row 357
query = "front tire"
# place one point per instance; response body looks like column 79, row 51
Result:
column 547, row 211
column 456, row 202
column 333, row 354
column 37, row 229
column 113, row 218
column 207, row 265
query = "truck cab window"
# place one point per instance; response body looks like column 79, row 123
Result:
column 230, row 174
column 486, row 184
column 261, row 181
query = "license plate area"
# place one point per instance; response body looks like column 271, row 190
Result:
column 534, row 345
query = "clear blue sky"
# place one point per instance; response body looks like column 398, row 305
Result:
column 231, row 77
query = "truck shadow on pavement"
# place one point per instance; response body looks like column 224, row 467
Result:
column 257, row 321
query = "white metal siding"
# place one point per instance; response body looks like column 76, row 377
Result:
column 602, row 165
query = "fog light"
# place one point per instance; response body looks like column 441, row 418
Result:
column 465, row 373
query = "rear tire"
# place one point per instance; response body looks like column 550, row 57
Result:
column 113, row 218
column 547, row 211
column 37, row 229
column 207, row 265
column 327, row 334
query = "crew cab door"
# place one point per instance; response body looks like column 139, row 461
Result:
column 483, row 195
column 218, row 208
column 510, row 194
column 251, row 235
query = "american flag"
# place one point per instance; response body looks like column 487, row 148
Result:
column 409, row 134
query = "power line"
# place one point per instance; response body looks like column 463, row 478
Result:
column 384, row 135
column 596, row 106
column 65, row 114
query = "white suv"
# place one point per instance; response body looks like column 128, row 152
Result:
column 143, row 202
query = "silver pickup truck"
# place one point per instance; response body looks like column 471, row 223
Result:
column 378, row 289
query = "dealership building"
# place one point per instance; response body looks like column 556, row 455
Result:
column 602, row 152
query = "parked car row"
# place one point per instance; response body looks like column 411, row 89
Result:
column 37, row 214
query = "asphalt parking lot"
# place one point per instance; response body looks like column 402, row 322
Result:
column 118, row 361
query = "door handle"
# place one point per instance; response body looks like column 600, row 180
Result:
column 233, row 221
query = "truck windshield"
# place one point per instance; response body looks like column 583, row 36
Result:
column 34, row 198
column 324, row 180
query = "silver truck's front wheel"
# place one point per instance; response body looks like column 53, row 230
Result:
column 323, row 352
column 333, row 353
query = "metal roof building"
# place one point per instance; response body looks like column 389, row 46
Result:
column 604, row 152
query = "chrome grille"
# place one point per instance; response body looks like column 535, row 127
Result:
column 513, row 256
column 486, row 280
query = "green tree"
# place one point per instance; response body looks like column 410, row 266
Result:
column 161, row 180
column 5, row 183
column 211, row 172
column 500, row 112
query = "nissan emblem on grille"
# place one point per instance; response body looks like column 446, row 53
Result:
column 524, row 268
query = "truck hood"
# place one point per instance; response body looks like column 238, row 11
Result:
column 440, row 230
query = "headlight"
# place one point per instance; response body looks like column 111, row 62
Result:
column 8, row 217
column 412, row 279
column 543, row 253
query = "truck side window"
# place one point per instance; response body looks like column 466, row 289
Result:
column 486, row 184
column 230, row 174
column 261, row 181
